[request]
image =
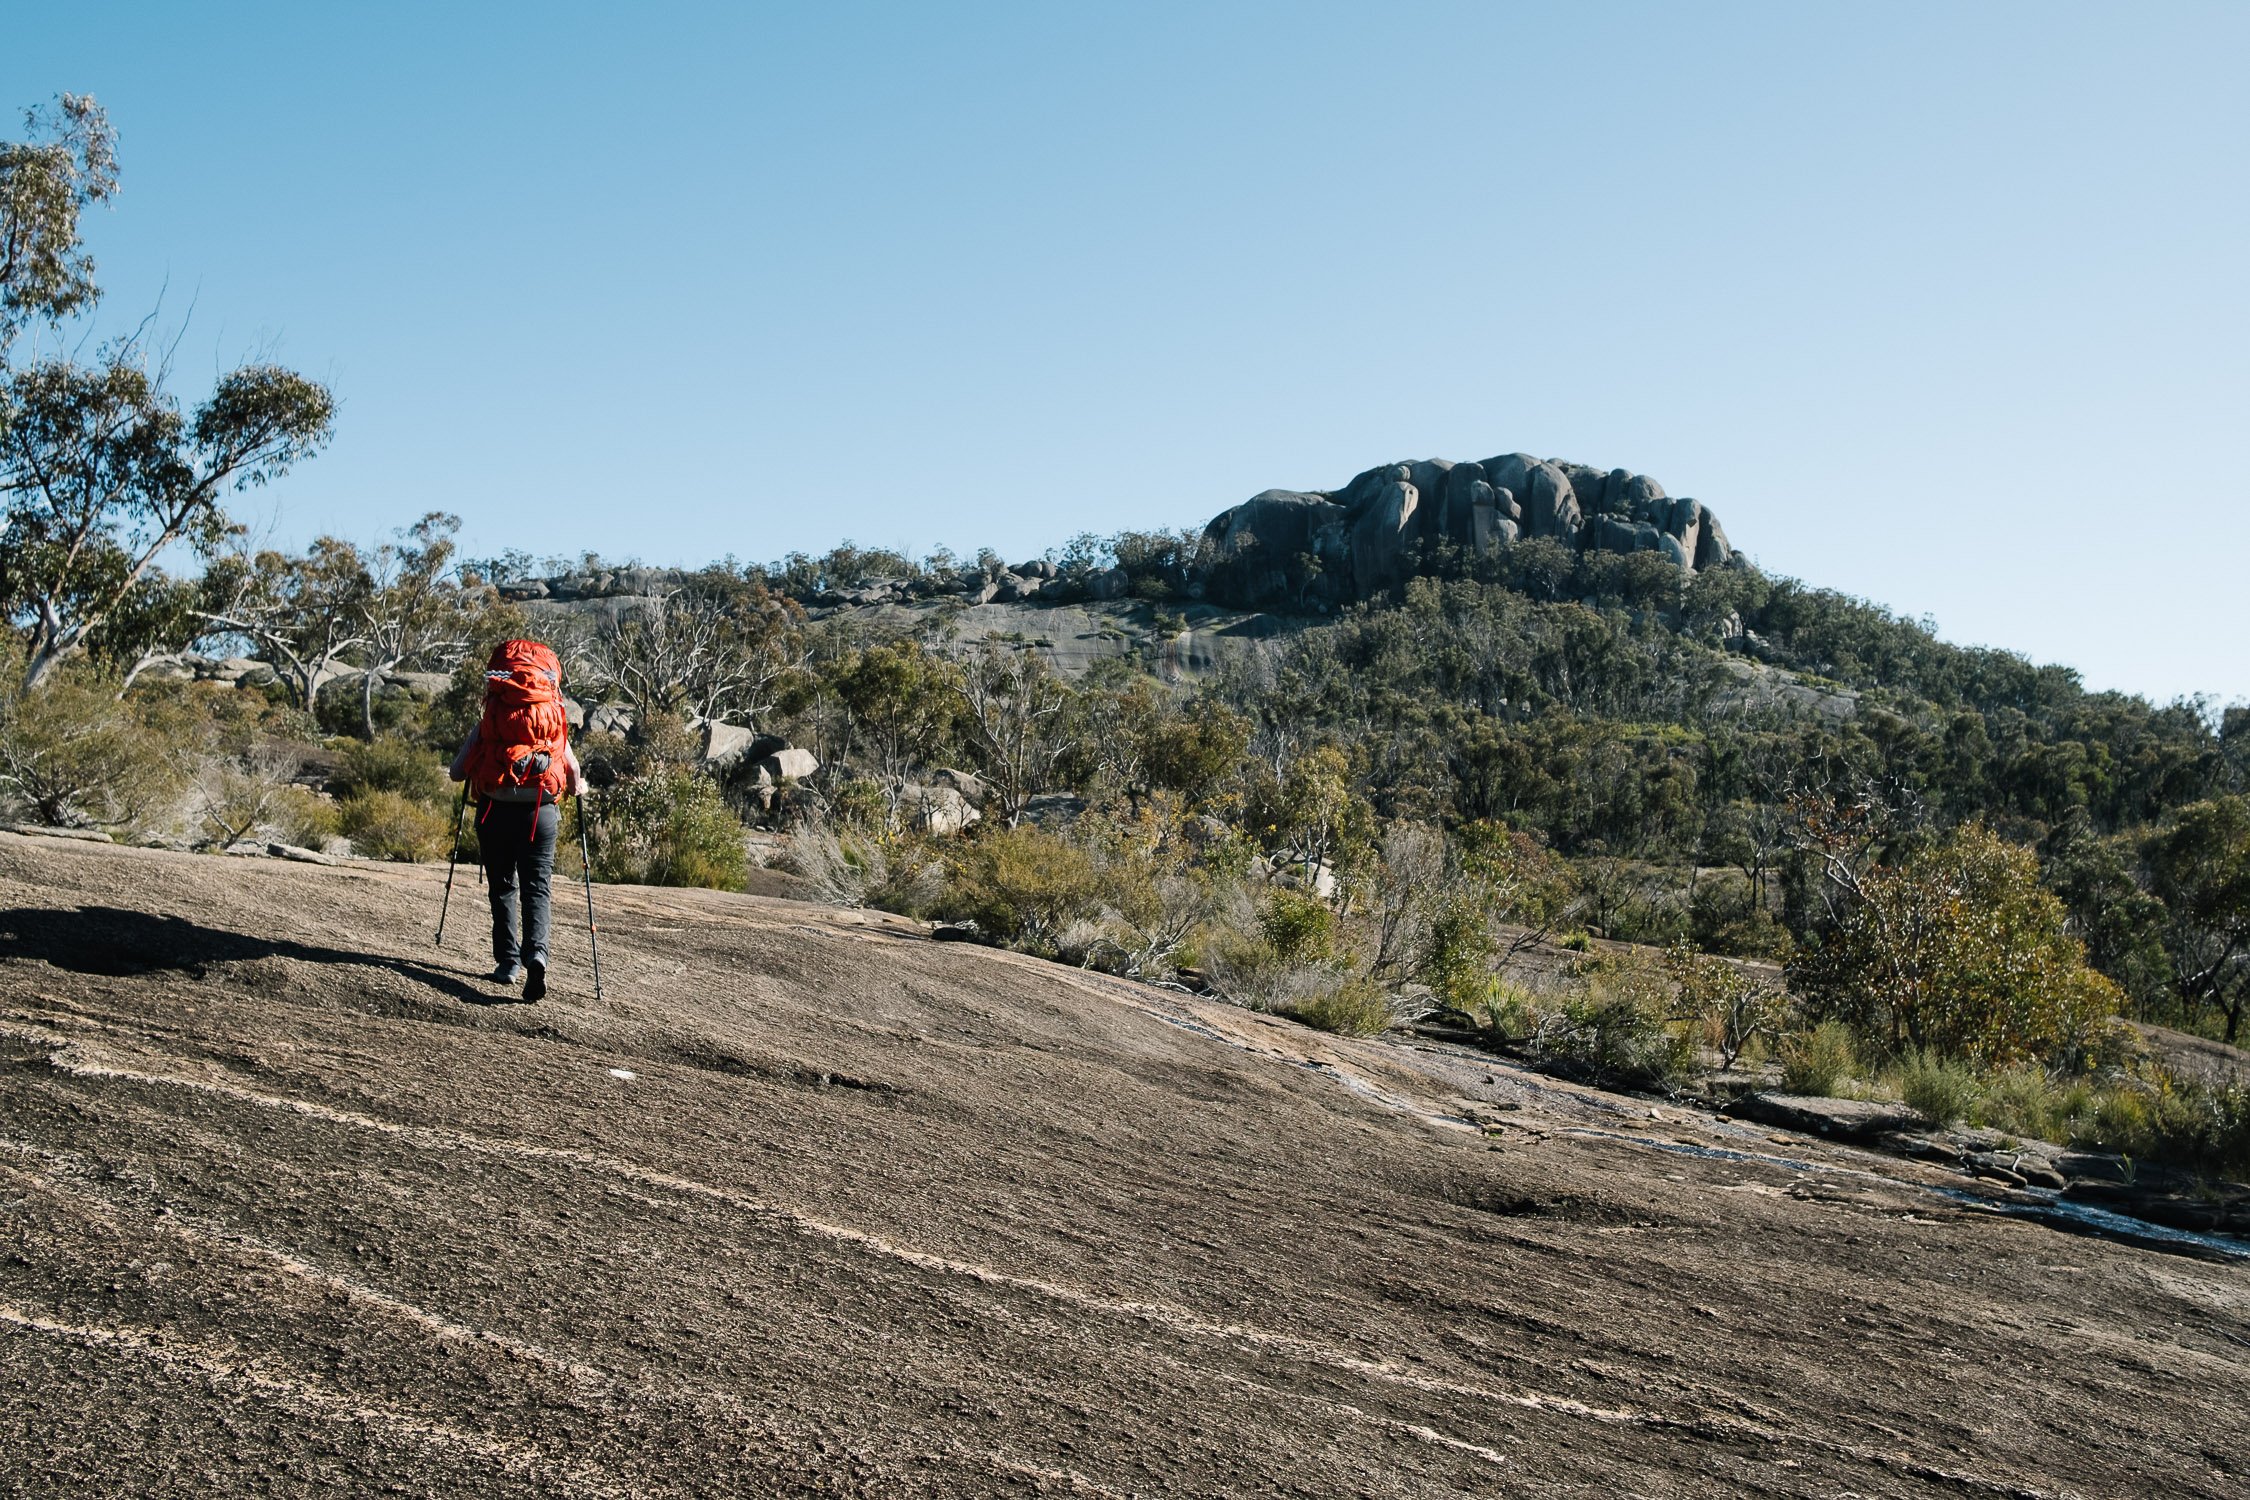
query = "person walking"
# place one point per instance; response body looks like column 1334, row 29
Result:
column 518, row 763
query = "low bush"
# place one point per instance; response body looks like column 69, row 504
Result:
column 853, row 867
column 388, row 825
column 1350, row 1008
column 667, row 827
column 392, row 765
column 1731, row 1010
column 1274, row 950
column 239, row 798
column 1725, row 916
column 1817, row 1062
column 1298, row 925
column 860, row 804
column 304, row 818
column 1936, row 1088
column 2026, row 1101
column 2205, row 1127
column 2143, row 1115
column 1505, row 1009
column 1025, row 886
column 1616, row 1031
column 73, row 756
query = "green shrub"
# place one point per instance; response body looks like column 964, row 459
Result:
column 1936, row 1088
column 1024, row 886
column 72, row 755
column 1506, row 1009
column 304, row 818
column 2205, row 1127
column 853, row 867
column 388, row 825
column 1961, row 949
column 1728, row 1006
column 1616, row 1031
column 1352, row 1008
column 669, row 827
column 2021, row 1101
column 861, row 804
column 1816, row 1062
column 390, row 764
column 1299, row 926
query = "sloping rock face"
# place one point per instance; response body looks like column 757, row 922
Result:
column 1296, row 548
column 289, row 1205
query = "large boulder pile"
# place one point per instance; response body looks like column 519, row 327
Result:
column 1294, row 548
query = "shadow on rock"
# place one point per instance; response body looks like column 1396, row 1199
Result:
column 124, row 944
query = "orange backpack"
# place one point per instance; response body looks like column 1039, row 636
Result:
column 520, row 741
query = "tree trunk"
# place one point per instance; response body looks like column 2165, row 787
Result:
column 133, row 676
column 44, row 659
column 367, row 702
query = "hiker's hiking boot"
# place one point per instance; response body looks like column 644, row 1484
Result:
column 535, row 982
column 507, row 973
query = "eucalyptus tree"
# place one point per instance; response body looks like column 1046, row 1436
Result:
column 303, row 613
column 718, row 649
column 2198, row 865
column 101, row 469
column 415, row 606
column 1015, row 716
column 68, row 162
column 102, row 472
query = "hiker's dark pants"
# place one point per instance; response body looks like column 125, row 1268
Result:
column 519, row 857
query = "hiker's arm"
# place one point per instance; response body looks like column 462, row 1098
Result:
column 459, row 770
column 570, row 768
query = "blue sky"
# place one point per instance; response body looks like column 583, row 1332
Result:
column 1942, row 305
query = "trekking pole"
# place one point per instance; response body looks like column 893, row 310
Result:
column 586, row 868
column 458, row 809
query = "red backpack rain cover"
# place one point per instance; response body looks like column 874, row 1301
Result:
column 523, row 719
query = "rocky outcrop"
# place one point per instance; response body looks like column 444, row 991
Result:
column 1294, row 548
column 1291, row 551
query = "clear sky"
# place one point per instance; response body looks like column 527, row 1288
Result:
column 1943, row 305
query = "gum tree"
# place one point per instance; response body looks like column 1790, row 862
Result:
column 101, row 468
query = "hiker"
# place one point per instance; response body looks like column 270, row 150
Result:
column 518, row 762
